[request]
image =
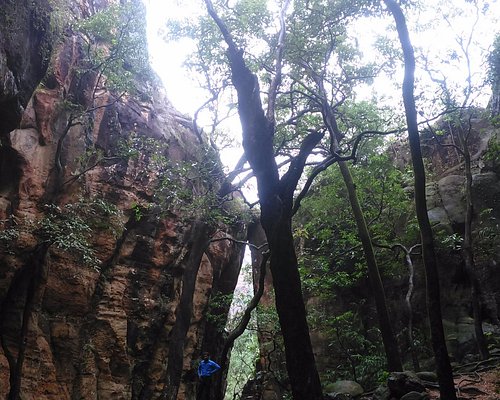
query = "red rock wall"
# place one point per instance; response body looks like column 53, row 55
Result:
column 133, row 327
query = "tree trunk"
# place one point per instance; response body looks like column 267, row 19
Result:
column 197, row 244
column 468, row 254
column 276, row 201
column 444, row 371
column 300, row 361
column 388, row 338
column 241, row 327
column 409, row 308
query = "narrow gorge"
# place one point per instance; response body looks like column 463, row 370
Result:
column 122, row 235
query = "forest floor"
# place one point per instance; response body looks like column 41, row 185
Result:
column 475, row 385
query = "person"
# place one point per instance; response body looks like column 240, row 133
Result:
column 206, row 369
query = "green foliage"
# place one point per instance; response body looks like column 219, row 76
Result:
column 332, row 263
column 116, row 44
column 187, row 187
column 318, row 35
column 357, row 351
column 71, row 227
column 494, row 62
column 244, row 356
column 214, row 315
column 492, row 154
column 318, row 45
column 68, row 231
column 273, row 349
column 332, row 254
column 7, row 239
column 487, row 232
column 448, row 241
column 245, row 351
column 138, row 211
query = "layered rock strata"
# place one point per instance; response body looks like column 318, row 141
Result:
column 106, row 270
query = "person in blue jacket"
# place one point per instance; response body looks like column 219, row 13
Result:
column 206, row 369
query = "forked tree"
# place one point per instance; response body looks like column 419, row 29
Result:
column 276, row 202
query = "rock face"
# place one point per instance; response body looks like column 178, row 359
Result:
column 25, row 46
column 106, row 270
column 446, row 202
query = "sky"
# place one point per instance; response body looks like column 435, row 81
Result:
column 167, row 57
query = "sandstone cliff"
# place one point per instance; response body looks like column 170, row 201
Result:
column 106, row 269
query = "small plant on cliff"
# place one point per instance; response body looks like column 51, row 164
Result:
column 7, row 238
column 214, row 316
column 112, row 64
column 72, row 226
column 67, row 230
column 69, row 227
column 187, row 187
column 115, row 45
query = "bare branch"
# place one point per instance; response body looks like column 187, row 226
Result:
column 241, row 242
column 452, row 145
column 276, row 82
column 77, row 176
column 197, row 130
column 291, row 178
column 315, row 172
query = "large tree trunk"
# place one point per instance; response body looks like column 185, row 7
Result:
column 300, row 361
column 388, row 338
column 444, row 371
column 276, row 201
column 197, row 243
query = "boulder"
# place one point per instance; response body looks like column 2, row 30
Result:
column 401, row 383
column 351, row 388
column 382, row 393
column 415, row 396
column 428, row 376
column 451, row 191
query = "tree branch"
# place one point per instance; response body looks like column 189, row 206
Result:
column 276, row 82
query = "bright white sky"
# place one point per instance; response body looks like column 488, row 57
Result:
column 167, row 58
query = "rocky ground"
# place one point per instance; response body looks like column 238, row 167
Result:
column 483, row 385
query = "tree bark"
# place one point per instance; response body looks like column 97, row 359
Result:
column 409, row 294
column 197, row 244
column 276, row 201
column 444, row 371
column 242, row 325
column 388, row 338
column 409, row 308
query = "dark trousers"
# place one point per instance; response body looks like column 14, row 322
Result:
column 203, row 392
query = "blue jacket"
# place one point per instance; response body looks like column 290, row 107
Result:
column 207, row 368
